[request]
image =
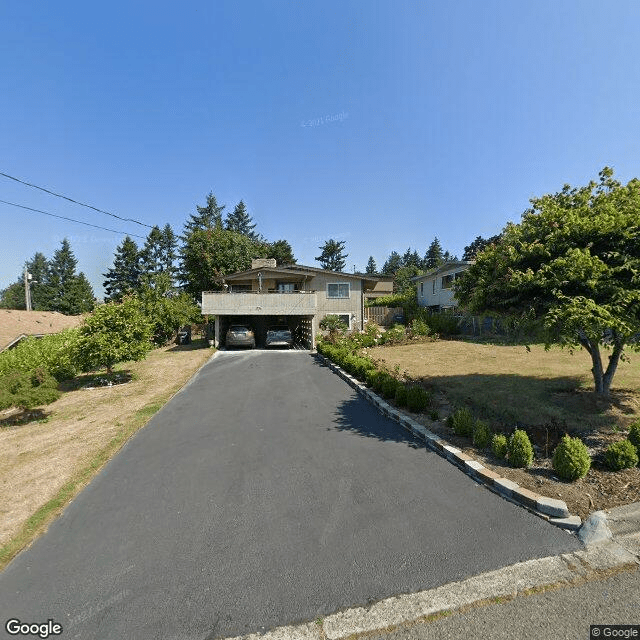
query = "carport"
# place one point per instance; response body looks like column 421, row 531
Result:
column 301, row 327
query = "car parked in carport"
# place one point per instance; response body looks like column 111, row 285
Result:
column 240, row 335
column 279, row 336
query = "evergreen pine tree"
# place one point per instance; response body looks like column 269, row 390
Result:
column 78, row 297
column 208, row 217
column 168, row 253
column 62, row 271
column 41, row 293
column 13, row 297
column 372, row 267
column 393, row 263
column 434, row 256
column 333, row 257
column 241, row 222
column 124, row 276
column 151, row 252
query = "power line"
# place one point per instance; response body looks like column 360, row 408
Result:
column 88, row 224
column 82, row 204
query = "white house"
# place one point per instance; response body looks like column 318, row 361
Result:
column 435, row 288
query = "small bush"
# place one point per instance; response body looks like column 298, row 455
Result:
column 571, row 459
column 621, row 455
column 419, row 328
column 519, row 450
column 418, row 399
column 481, row 434
column 634, row 435
column 393, row 335
column 28, row 389
column 449, row 421
column 462, row 423
column 434, row 415
column 401, row 395
column 389, row 386
column 499, row 445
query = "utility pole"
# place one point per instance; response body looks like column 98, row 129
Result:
column 27, row 289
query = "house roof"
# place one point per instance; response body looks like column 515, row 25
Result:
column 15, row 324
column 447, row 266
column 299, row 270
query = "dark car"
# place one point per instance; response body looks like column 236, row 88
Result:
column 279, row 336
column 240, row 335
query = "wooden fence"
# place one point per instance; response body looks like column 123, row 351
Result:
column 381, row 315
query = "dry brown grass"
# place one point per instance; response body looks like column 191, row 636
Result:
column 59, row 453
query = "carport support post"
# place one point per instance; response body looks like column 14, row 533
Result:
column 216, row 333
column 313, row 334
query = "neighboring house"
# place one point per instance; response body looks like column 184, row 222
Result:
column 16, row 325
column 293, row 294
column 435, row 288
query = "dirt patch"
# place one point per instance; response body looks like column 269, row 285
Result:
column 43, row 451
column 14, row 323
column 548, row 395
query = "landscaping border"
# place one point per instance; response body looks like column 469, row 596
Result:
column 549, row 509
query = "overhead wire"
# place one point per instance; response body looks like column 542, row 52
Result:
column 82, row 204
column 88, row 224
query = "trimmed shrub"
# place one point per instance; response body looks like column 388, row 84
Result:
column 499, row 445
column 519, row 449
column 481, row 434
column 418, row 399
column 372, row 376
column 401, row 395
column 419, row 328
column 462, row 423
column 395, row 334
column 389, row 386
column 571, row 459
column 621, row 455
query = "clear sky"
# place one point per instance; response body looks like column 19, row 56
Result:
column 383, row 124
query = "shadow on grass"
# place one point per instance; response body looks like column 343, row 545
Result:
column 96, row 380
column 558, row 403
column 200, row 343
column 20, row 417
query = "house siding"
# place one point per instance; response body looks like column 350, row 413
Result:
column 435, row 296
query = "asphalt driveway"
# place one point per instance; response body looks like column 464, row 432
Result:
column 267, row 492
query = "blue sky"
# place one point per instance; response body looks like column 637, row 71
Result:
column 443, row 118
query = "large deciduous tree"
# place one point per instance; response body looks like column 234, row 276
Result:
column 572, row 265
column 333, row 256
column 478, row 245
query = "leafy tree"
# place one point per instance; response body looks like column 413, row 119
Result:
column 282, row 252
column 402, row 282
column 478, row 245
column 333, row 256
column 209, row 254
column 114, row 332
column 166, row 308
column 241, row 222
column 372, row 267
column 434, row 256
column 12, row 297
column 393, row 263
column 124, row 277
column 572, row 267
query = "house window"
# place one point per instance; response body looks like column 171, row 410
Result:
column 286, row 287
column 447, row 281
column 338, row 290
column 433, row 286
column 422, row 288
column 346, row 318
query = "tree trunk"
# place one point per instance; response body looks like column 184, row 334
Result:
column 596, row 360
column 614, row 358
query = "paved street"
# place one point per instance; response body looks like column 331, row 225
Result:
column 267, row 492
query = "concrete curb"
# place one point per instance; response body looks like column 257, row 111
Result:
column 550, row 509
column 517, row 579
